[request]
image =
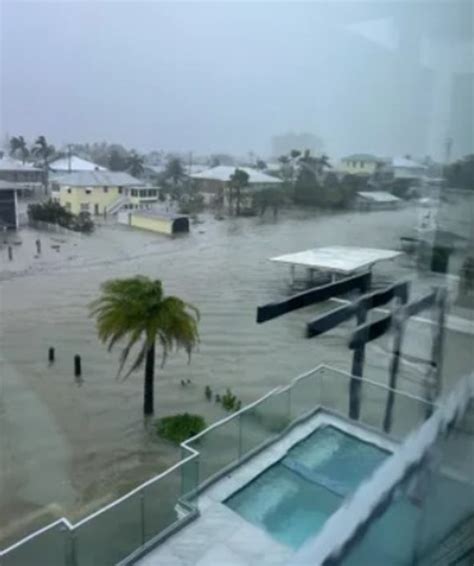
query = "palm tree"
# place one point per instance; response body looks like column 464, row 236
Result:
column 18, row 145
column 174, row 170
column 136, row 310
column 135, row 164
column 238, row 181
column 44, row 152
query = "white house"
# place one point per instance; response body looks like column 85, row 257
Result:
column 73, row 163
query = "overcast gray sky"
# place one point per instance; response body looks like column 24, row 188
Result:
column 388, row 78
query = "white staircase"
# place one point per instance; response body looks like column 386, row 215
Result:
column 117, row 205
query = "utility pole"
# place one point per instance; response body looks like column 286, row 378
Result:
column 448, row 145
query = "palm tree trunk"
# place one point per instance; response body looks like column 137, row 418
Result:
column 148, row 398
column 237, row 206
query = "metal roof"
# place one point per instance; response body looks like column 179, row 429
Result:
column 224, row 172
column 74, row 163
column 97, row 179
column 378, row 196
column 339, row 259
column 10, row 164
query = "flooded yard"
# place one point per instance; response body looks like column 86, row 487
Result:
column 67, row 447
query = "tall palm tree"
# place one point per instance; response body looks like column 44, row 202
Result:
column 136, row 310
column 238, row 181
column 18, row 145
column 43, row 152
column 135, row 164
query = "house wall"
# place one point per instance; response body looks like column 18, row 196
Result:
column 85, row 199
column 355, row 167
column 8, row 209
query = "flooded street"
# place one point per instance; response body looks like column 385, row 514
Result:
column 67, row 447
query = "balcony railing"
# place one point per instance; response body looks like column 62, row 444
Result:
column 133, row 524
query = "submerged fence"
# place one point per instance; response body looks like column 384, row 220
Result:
column 136, row 522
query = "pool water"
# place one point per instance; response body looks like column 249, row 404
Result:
column 292, row 499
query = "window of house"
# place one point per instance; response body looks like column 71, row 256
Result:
column 120, row 190
column 84, row 207
column 88, row 191
column 69, row 191
column 106, row 189
column 68, row 206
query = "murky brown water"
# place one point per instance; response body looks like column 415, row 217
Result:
column 67, row 448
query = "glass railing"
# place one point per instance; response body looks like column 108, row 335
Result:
column 417, row 509
column 138, row 520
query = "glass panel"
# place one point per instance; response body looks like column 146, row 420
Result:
column 306, row 395
column 159, row 503
column 189, row 474
column 263, row 421
column 51, row 546
column 110, row 536
column 372, row 405
column 378, row 544
column 407, row 414
column 218, row 448
column 334, row 391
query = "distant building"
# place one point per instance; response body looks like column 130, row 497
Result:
column 25, row 177
column 212, row 182
column 155, row 221
column 73, row 163
column 407, row 168
column 377, row 200
column 99, row 192
column 8, row 205
column 283, row 144
column 360, row 164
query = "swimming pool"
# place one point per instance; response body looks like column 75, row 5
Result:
column 292, row 499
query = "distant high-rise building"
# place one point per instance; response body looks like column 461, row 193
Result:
column 284, row 143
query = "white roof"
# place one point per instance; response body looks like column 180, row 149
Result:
column 378, row 196
column 10, row 164
column 406, row 163
column 74, row 163
column 224, row 172
column 340, row 259
column 97, row 179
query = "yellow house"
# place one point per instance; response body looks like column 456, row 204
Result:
column 99, row 192
column 360, row 164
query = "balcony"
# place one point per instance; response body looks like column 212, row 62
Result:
column 228, row 455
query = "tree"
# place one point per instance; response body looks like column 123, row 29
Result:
column 44, row 152
column 18, row 146
column 117, row 161
column 174, row 170
column 460, row 174
column 135, row 165
column 261, row 165
column 272, row 198
column 136, row 310
column 238, row 181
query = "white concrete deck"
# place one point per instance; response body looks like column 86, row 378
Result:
column 220, row 537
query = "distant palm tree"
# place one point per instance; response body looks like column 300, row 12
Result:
column 18, row 145
column 43, row 152
column 238, row 181
column 136, row 310
column 135, row 165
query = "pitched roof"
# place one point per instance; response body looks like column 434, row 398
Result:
column 406, row 163
column 10, row 164
column 97, row 179
column 224, row 172
column 362, row 157
column 74, row 163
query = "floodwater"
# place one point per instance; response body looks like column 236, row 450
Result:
column 68, row 447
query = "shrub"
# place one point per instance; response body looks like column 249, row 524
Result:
column 178, row 428
column 230, row 401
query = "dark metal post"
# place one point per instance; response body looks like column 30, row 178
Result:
column 51, row 355
column 10, row 253
column 357, row 370
column 77, row 366
column 434, row 374
column 38, row 246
